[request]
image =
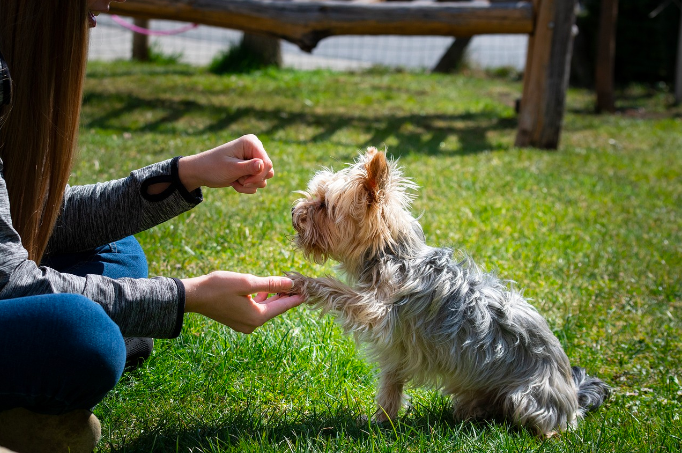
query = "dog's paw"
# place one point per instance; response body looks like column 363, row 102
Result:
column 363, row 420
column 300, row 281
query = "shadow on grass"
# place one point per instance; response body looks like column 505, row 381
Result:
column 638, row 102
column 425, row 134
column 337, row 428
column 246, row 429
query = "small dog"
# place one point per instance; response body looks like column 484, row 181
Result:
column 427, row 318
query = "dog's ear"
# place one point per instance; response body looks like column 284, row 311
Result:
column 377, row 175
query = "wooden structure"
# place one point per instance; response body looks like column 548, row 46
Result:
column 606, row 56
column 549, row 24
column 453, row 56
column 678, row 61
column 141, row 42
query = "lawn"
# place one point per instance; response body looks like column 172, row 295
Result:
column 593, row 232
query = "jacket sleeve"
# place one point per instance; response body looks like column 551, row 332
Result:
column 96, row 214
column 150, row 307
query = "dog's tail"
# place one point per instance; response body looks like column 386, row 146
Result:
column 592, row 392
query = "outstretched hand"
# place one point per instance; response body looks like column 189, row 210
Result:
column 242, row 164
column 239, row 301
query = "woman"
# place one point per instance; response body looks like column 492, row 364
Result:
column 73, row 280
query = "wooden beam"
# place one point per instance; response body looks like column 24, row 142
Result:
column 546, row 77
column 308, row 22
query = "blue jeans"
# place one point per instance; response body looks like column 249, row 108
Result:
column 61, row 352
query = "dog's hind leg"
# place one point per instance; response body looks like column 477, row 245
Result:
column 545, row 413
column 475, row 406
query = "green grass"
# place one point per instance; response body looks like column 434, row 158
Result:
column 592, row 232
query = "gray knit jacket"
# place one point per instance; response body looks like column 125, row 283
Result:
column 95, row 215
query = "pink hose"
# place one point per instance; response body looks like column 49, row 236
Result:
column 146, row 31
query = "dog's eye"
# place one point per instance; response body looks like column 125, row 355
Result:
column 322, row 205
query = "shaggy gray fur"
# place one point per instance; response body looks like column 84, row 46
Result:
column 427, row 318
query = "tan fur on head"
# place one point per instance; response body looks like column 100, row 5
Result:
column 362, row 207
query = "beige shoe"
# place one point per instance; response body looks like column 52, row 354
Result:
column 23, row 431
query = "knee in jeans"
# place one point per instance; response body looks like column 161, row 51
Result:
column 67, row 352
column 98, row 346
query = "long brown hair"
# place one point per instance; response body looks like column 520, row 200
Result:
column 45, row 46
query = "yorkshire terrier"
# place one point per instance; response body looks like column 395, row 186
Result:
column 427, row 318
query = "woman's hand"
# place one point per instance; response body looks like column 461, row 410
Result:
column 242, row 164
column 227, row 297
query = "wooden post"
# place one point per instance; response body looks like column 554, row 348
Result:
column 546, row 77
column 141, row 42
column 678, row 66
column 453, row 57
column 606, row 53
column 267, row 49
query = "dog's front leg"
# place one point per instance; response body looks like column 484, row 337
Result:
column 358, row 310
column 389, row 398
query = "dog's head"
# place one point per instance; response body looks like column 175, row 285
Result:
column 362, row 208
